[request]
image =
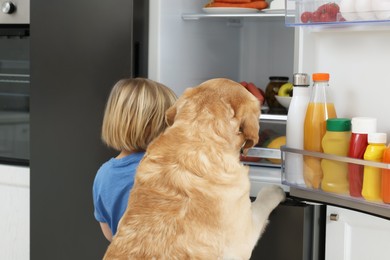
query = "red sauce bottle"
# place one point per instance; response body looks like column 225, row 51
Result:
column 361, row 126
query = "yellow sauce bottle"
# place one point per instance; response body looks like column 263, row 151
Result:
column 320, row 108
column 336, row 141
column 372, row 175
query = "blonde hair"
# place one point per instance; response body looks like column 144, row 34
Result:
column 135, row 113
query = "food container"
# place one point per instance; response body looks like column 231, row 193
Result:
column 312, row 12
column 272, row 136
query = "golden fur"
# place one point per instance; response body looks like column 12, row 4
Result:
column 191, row 199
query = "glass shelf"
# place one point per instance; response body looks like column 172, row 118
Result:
column 344, row 200
column 262, row 15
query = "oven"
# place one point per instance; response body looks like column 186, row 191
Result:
column 15, row 82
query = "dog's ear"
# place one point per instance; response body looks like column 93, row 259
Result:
column 170, row 115
column 247, row 111
column 250, row 129
column 171, row 112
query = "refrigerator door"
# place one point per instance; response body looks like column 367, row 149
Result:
column 295, row 231
column 356, row 56
column 79, row 49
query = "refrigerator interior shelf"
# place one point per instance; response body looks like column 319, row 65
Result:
column 260, row 15
column 264, row 153
column 268, row 157
column 344, row 200
column 342, row 13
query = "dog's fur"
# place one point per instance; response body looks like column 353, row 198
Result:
column 191, row 199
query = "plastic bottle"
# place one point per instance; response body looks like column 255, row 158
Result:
column 319, row 109
column 386, row 177
column 294, row 128
column 336, row 141
column 361, row 126
column 372, row 175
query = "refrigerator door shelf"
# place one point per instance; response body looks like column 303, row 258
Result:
column 343, row 200
column 341, row 13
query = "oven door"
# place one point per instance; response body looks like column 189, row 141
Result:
column 14, row 94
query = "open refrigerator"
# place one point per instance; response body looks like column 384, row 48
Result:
column 188, row 46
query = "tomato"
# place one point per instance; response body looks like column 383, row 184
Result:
column 322, row 8
column 325, row 13
column 306, row 17
column 324, row 17
column 332, row 9
column 315, row 16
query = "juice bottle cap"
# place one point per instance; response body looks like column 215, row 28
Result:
column 363, row 125
column 338, row 124
column 320, row 76
column 377, row 138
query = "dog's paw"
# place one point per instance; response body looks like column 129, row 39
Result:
column 271, row 195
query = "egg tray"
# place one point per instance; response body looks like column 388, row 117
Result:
column 303, row 12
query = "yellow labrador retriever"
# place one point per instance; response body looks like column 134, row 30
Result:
column 191, row 199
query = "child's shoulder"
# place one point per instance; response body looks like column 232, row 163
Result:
column 105, row 167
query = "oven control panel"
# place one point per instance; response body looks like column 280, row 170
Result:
column 15, row 12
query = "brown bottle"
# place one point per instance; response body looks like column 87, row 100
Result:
column 271, row 91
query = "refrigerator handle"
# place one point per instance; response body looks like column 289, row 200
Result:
column 136, row 59
column 334, row 217
column 139, row 38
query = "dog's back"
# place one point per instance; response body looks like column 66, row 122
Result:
column 190, row 199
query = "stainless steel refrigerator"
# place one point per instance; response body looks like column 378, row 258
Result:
column 79, row 49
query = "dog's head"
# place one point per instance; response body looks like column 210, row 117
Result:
column 218, row 99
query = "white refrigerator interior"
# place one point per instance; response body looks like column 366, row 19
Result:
column 184, row 52
column 188, row 47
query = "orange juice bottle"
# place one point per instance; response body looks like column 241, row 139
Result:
column 386, row 177
column 372, row 175
column 320, row 108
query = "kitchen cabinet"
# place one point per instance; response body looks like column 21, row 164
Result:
column 352, row 235
column 14, row 212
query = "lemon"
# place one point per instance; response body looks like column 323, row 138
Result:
column 286, row 90
column 276, row 144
